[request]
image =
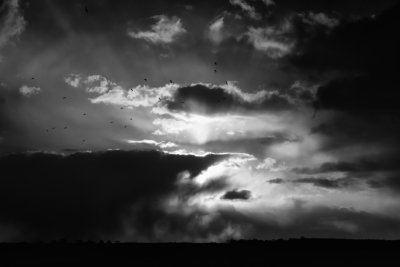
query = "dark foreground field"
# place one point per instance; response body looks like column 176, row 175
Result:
column 299, row 252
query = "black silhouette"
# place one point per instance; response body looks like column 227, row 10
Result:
column 122, row 108
column 170, row 81
column 84, row 114
column 215, row 71
column 65, row 127
column 145, row 79
column 86, row 10
column 64, row 97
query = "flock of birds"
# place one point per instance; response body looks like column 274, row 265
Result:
column 84, row 114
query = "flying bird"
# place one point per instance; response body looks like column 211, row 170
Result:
column 122, row 108
column 170, row 81
column 86, row 10
column 215, row 63
column 145, row 79
column 65, row 128
column 64, row 97
column 215, row 71
column 84, row 114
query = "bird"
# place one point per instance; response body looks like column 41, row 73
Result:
column 122, row 108
column 215, row 63
column 64, row 97
column 65, row 127
column 125, row 126
column 33, row 78
column 86, row 10
column 83, row 140
column 145, row 79
column 111, row 122
column 53, row 128
column 84, row 114
column 47, row 130
column 215, row 71
column 170, row 81
column 130, row 119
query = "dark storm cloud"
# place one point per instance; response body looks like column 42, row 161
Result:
column 381, row 163
column 326, row 222
column 311, row 222
column 382, row 171
column 318, row 182
column 87, row 195
column 365, row 52
column 237, row 195
column 354, row 45
column 212, row 100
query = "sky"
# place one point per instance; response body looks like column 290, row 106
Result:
column 189, row 121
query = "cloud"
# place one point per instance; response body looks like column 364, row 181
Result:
column 215, row 31
column 321, row 19
column 111, row 93
column 13, row 22
column 269, row 3
column 166, row 30
column 198, row 98
column 340, row 49
column 271, row 164
column 28, row 91
column 276, row 41
column 237, row 195
column 92, row 84
column 91, row 195
column 210, row 99
column 318, row 182
column 379, row 163
column 248, row 9
column 152, row 144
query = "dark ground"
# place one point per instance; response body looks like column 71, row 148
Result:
column 299, row 252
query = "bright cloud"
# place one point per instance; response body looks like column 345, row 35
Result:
column 273, row 40
column 248, row 9
column 215, row 31
column 164, row 31
column 28, row 91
